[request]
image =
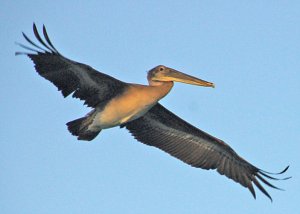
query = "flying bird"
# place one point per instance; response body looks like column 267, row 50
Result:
column 136, row 107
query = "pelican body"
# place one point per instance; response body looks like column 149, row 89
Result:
column 130, row 105
column 133, row 102
column 136, row 107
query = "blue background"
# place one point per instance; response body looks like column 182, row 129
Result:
column 249, row 49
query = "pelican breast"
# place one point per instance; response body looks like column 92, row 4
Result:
column 130, row 105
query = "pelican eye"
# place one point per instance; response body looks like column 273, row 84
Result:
column 161, row 69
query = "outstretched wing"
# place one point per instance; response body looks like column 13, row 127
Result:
column 161, row 128
column 69, row 76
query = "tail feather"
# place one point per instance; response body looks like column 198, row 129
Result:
column 74, row 126
column 79, row 127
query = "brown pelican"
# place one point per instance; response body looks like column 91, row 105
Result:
column 136, row 107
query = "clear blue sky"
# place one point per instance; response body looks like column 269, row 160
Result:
column 249, row 49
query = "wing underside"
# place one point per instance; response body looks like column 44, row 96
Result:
column 70, row 77
column 163, row 129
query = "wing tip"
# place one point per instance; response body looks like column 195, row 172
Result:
column 262, row 175
column 45, row 45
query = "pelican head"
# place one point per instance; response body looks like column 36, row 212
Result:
column 162, row 73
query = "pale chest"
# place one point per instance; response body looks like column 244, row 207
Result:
column 131, row 105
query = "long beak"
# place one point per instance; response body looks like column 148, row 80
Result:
column 173, row 75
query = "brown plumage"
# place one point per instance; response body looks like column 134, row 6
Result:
column 136, row 107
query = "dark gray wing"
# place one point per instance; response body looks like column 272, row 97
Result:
column 166, row 131
column 69, row 76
